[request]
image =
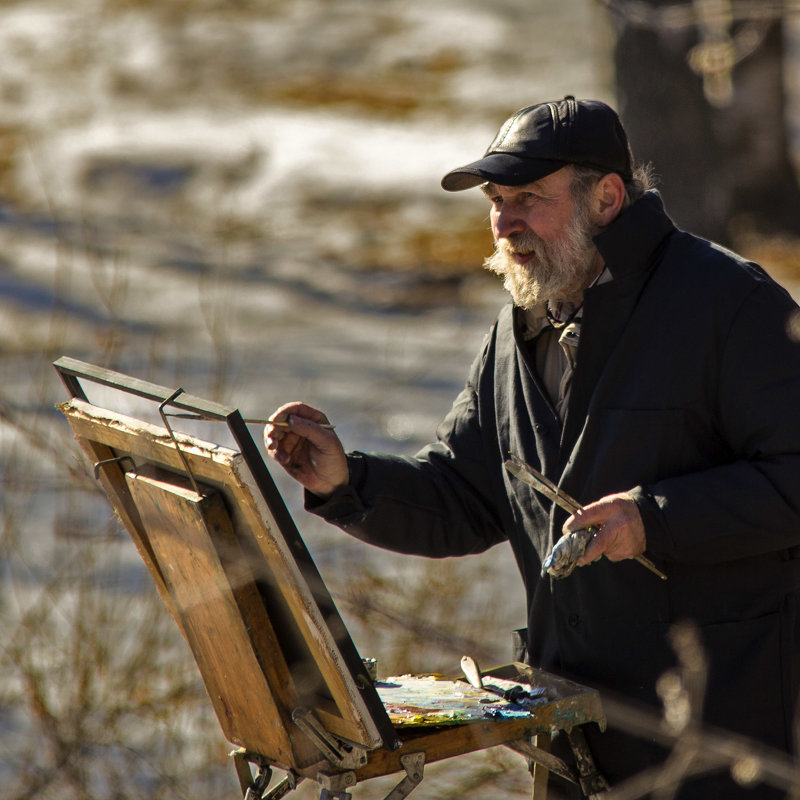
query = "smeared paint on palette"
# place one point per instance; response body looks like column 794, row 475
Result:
column 431, row 700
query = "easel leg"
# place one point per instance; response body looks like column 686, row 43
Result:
column 592, row 782
column 539, row 772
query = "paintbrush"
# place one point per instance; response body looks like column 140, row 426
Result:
column 255, row 421
column 278, row 424
column 526, row 473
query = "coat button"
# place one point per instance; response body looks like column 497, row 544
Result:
column 573, row 620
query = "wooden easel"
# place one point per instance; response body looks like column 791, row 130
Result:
column 286, row 682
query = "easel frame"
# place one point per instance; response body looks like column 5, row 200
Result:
column 199, row 514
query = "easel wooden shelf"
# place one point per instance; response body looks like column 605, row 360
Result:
column 286, row 681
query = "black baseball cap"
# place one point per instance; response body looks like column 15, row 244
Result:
column 541, row 139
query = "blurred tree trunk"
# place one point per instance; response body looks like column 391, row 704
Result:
column 724, row 169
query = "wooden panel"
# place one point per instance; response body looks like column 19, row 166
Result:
column 112, row 478
column 196, row 549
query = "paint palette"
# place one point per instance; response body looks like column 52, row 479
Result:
column 422, row 700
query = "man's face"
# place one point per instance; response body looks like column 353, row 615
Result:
column 543, row 240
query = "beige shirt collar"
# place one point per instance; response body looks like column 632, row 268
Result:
column 556, row 351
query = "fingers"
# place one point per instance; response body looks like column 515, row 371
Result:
column 594, row 550
column 620, row 530
column 301, row 411
column 313, row 455
column 593, row 515
column 298, row 420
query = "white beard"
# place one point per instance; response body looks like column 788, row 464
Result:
column 559, row 270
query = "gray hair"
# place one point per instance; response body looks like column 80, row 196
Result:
column 584, row 178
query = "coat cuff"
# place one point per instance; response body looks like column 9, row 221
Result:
column 656, row 531
column 344, row 507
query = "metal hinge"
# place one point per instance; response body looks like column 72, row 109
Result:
column 413, row 764
column 343, row 755
column 256, row 788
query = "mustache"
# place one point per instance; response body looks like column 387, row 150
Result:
column 522, row 243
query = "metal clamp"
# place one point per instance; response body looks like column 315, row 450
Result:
column 105, row 462
column 337, row 752
column 326, row 794
column 171, row 433
column 414, row 764
column 256, row 789
column 336, row 785
column 288, row 784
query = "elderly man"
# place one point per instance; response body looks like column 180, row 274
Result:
column 653, row 376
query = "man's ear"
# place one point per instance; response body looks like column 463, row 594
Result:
column 608, row 198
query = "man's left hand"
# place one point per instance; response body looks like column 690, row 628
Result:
column 620, row 533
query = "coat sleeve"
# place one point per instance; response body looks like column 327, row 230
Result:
column 749, row 504
column 438, row 503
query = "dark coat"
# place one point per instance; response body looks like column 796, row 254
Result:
column 687, row 394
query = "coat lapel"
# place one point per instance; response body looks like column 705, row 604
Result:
column 630, row 249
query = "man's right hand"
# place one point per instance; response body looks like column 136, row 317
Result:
column 311, row 454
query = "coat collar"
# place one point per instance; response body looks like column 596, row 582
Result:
column 629, row 242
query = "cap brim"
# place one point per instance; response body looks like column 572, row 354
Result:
column 503, row 169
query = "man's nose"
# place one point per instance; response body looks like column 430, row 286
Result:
column 507, row 222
